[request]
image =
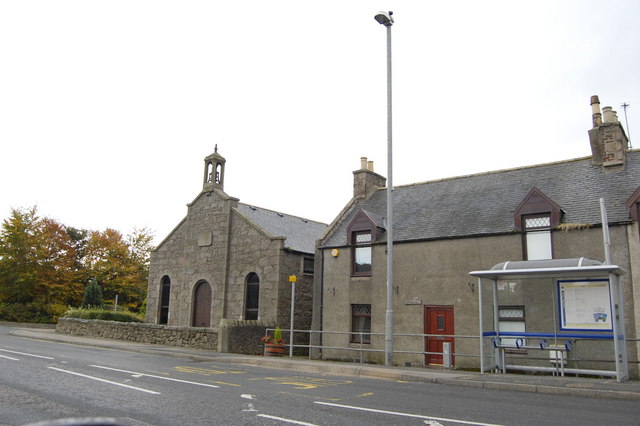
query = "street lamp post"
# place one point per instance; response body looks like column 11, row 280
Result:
column 385, row 18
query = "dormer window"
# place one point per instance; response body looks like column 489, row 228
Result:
column 361, row 234
column 633, row 204
column 535, row 217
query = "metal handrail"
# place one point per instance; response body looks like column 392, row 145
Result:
column 362, row 347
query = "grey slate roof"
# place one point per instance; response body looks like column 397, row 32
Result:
column 483, row 204
column 301, row 234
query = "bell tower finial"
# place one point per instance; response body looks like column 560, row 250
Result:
column 214, row 171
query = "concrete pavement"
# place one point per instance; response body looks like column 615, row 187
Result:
column 576, row 386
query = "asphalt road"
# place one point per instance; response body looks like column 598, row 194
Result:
column 41, row 380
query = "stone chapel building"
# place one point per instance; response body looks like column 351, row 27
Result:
column 229, row 260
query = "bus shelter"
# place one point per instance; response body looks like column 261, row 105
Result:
column 568, row 303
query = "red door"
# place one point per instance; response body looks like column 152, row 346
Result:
column 202, row 305
column 438, row 320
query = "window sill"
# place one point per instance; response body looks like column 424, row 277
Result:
column 361, row 278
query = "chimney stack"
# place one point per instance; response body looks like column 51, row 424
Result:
column 607, row 137
column 366, row 181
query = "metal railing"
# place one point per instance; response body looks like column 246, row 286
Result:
column 360, row 345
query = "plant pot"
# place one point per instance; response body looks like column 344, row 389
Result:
column 273, row 349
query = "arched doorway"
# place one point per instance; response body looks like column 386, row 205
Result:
column 202, row 305
column 165, row 290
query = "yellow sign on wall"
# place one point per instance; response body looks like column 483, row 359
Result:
column 292, row 278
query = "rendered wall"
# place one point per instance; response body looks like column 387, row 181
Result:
column 436, row 273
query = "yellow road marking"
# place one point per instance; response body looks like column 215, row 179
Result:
column 159, row 372
column 315, row 397
column 364, row 394
column 205, row 371
column 307, row 382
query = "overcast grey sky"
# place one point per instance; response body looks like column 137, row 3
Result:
column 108, row 108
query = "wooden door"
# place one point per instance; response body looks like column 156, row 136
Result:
column 438, row 320
column 202, row 305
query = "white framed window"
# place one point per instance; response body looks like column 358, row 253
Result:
column 362, row 253
column 511, row 319
column 537, row 235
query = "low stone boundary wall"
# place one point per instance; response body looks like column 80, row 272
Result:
column 231, row 336
column 242, row 337
column 190, row 337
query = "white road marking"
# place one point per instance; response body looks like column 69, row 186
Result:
column 249, row 408
column 8, row 357
column 136, row 374
column 282, row 419
column 105, row 381
column 26, row 354
column 247, row 396
column 394, row 413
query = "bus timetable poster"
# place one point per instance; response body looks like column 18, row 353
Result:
column 585, row 305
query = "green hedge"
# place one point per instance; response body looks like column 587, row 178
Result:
column 99, row 314
column 34, row 312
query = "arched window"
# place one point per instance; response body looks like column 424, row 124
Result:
column 209, row 173
column 218, row 176
column 252, row 297
column 165, row 291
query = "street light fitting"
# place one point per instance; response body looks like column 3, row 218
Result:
column 385, row 18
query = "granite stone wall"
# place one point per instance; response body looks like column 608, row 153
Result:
column 231, row 336
column 189, row 337
column 242, row 337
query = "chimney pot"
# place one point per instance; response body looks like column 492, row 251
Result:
column 595, row 111
column 609, row 115
column 363, row 163
column 370, row 166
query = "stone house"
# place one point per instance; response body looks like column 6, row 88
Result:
column 230, row 260
column 446, row 228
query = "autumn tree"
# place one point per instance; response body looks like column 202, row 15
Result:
column 44, row 266
column 121, row 266
column 37, row 264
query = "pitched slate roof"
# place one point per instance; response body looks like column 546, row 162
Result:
column 301, row 234
column 483, row 204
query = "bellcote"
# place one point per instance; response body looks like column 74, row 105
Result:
column 213, row 172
